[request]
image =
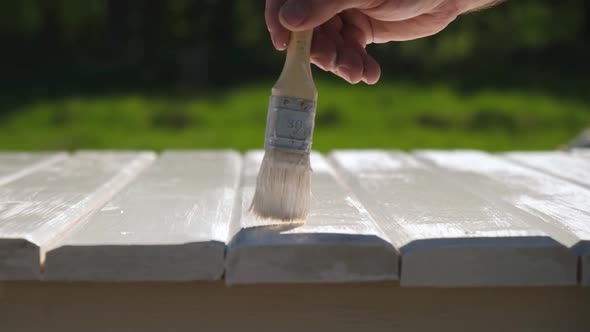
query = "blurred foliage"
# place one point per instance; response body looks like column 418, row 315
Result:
column 226, row 40
column 389, row 115
column 197, row 73
column 525, row 25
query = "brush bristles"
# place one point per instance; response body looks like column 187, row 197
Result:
column 283, row 186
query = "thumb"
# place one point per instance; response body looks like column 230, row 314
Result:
column 299, row 15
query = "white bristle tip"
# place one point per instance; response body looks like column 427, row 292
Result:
column 283, row 187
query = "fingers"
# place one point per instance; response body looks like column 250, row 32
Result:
column 418, row 27
column 350, row 61
column 398, row 10
column 343, row 28
column 334, row 24
column 283, row 16
column 352, row 64
column 372, row 71
column 278, row 33
column 357, row 33
column 342, row 52
column 353, row 58
column 299, row 15
column 324, row 47
column 346, row 57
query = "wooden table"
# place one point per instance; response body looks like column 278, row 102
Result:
column 429, row 240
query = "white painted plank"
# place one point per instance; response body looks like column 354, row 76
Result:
column 338, row 243
column 15, row 165
column 37, row 209
column 170, row 224
column 582, row 153
column 562, row 208
column 447, row 236
column 557, row 163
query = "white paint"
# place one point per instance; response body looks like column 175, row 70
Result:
column 338, row 236
column 170, row 224
column 449, row 236
column 14, row 166
column 581, row 152
column 562, row 208
column 374, row 162
column 39, row 208
column 565, row 165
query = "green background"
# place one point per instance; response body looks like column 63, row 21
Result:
column 197, row 74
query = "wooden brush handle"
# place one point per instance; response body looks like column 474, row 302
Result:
column 296, row 80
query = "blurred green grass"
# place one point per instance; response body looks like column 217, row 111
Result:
column 389, row 115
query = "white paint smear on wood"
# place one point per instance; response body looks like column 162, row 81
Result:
column 561, row 207
column 447, row 235
column 565, row 165
column 39, row 208
column 582, row 153
column 16, row 165
column 339, row 242
column 170, row 224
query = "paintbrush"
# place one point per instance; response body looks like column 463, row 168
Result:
column 283, row 185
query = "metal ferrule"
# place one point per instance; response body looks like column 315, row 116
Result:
column 289, row 124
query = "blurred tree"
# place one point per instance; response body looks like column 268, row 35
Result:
column 228, row 38
column 220, row 39
column 152, row 15
column 117, row 24
column 500, row 32
column 49, row 32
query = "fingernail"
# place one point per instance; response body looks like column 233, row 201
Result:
column 294, row 12
column 274, row 41
column 280, row 46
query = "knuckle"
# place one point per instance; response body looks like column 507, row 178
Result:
column 447, row 13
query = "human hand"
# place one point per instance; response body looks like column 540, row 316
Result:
column 343, row 28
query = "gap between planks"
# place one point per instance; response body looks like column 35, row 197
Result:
column 119, row 182
column 339, row 241
column 560, row 207
column 41, row 206
column 447, row 236
column 170, row 224
column 335, row 178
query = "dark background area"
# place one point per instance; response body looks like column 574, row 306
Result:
column 197, row 74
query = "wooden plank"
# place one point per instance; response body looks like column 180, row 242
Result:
column 447, row 236
column 573, row 166
column 557, row 163
column 170, row 224
column 339, row 241
column 561, row 208
column 37, row 209
column 15, row 165
column 211, row 306
column 585, row 275
column 582, row 153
